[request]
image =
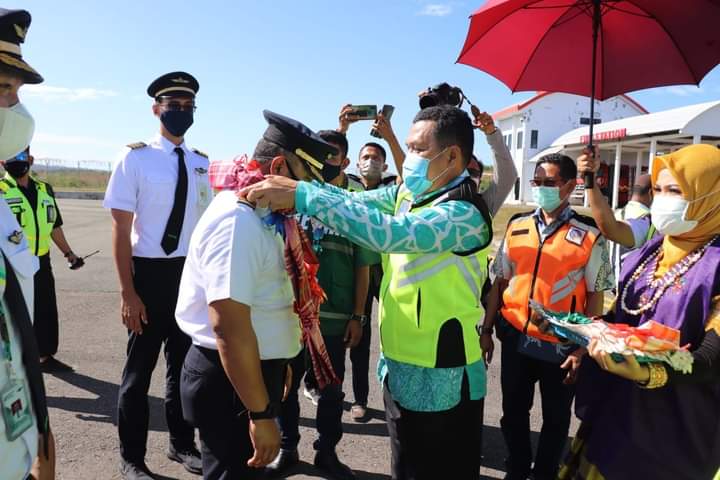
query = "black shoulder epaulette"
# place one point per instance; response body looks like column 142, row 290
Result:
column 585, row 219
column 136, row 145
column 520, row 215
column 202, row 154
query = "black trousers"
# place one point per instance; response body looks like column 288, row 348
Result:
column 157, row 282
column 435, row 445
column 360, row 357
column 210, row 403
column 329, row 409
column 45, row 319
column 518, row 376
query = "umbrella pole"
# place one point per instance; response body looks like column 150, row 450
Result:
column 589, row 177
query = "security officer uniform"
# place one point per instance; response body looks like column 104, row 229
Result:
column 166, row 187
column 236, row 254
column 38, row 214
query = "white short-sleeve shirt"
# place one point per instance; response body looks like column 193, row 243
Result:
column 143, row 182
column 234, row 255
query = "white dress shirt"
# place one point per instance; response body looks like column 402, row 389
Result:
column 16, row 457
column 143, row 182
column 234, row 255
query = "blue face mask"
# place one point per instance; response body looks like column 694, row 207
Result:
column 547, row 197
column 414, row 173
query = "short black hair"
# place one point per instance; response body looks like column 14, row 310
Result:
column 452, row 127
column 336, row 138
column 640, row 189
column 567, row 166
column 377, row 146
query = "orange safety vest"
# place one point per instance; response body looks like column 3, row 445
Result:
column 551, row 272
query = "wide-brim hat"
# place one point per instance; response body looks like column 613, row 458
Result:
column 14, row 25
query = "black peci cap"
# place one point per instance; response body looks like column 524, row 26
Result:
column 300, row 140
column 174, row 84
column 14, row 25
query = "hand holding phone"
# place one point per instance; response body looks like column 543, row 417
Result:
column 382, row 128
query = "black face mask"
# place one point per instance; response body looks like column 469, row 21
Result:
column 18, row 168
column 176, row 122
column 330, row 172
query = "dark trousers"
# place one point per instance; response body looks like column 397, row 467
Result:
column 435, row 445
column 45, row 319
column 157, row 282
column 360, row 358
column 210, row 403
column 329, row 410
column 518, row 376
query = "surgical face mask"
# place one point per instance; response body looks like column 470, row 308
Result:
column 414, row 173
column 548, row 198
column 16, row 130
column 177, row 122
column 669, row 214
column 371, row 168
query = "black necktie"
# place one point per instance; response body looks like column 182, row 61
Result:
column 171, row 237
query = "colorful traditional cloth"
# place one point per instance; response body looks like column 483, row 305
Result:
column 300, row 262
column 650, row 342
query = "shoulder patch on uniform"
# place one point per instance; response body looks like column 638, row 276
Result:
column 202, row 154
column 136, row 145
column 575, row 235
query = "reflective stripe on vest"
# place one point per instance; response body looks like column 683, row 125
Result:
column 551, row 273
column 37, row 225
column 422, row 292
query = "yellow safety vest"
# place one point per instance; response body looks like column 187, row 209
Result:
column 37, row 225
column 432, row 302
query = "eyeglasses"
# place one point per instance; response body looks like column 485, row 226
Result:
column 546, row 182
column 177, row 106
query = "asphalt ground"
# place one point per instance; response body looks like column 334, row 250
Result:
column 93, row 340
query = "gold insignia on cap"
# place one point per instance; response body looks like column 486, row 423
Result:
column 308, row 158
column 21, row 31
column 180, row 80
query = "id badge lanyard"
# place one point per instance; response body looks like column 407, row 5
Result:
column 14, row 399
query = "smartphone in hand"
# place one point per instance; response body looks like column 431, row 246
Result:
column 364, row 112
column 387, row 112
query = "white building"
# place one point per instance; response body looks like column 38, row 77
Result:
column 532, row 126
column 629, row 146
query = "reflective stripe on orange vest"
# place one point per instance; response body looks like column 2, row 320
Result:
column 550, row 272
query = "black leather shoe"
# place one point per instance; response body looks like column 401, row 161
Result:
column 134, row 470
column 188, row 458
column 329, row 463
column 285, row 460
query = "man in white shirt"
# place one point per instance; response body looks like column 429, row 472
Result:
column 236, row 304
column 26, row 443
column 157, row 193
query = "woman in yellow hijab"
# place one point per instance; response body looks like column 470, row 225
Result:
column 646, row 420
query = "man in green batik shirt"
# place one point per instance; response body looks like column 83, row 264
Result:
column 434, row 232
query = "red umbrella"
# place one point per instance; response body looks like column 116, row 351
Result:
column 595, row 48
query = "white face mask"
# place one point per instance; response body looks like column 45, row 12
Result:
column 371, row 169
column 669, row 214
column 16, row 130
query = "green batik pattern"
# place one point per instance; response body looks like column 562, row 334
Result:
column 367, row 218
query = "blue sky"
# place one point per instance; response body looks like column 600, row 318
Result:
column 300, row 58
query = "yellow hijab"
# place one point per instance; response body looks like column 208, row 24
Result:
column 696, row 169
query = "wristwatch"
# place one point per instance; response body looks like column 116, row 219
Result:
column 271, row 411
column 361, row 318
column 484, row 330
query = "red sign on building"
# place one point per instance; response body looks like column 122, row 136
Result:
column 603, row 136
